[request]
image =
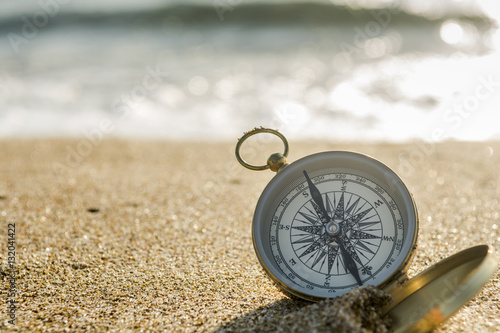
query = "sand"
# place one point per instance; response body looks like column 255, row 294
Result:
column 125, row 236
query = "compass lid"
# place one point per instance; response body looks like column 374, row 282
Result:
column 425, row 301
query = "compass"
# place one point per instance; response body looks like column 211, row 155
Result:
column 336, row 220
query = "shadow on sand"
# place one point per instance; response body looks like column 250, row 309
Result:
column 359, row 310
column 267, row 318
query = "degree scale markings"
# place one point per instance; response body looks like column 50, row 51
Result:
column 316, row 258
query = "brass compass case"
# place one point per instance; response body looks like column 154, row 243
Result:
column 333, row 221
column 370, row 239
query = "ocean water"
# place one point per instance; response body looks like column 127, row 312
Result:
column 209, row 70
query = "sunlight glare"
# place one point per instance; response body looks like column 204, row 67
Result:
column 451, row 32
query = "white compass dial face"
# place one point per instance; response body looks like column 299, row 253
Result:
column 368, row 219
column 334, row 230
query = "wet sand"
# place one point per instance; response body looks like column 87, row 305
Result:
column 155, row 236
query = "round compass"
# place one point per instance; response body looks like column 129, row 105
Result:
column 333, row 221
column 337, row 220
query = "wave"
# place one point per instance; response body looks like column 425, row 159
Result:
column 224, row 12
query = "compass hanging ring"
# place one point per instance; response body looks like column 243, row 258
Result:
column 275, row 161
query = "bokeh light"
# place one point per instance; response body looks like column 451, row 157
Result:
column 451, row 32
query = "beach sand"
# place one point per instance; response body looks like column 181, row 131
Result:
column 156, row 236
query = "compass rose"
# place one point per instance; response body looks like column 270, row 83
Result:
column 340, row 239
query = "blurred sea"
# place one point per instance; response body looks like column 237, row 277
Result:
column 209, row 70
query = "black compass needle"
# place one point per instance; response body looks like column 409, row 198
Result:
column 346, row 256
column 349, row 262
column 316, row 195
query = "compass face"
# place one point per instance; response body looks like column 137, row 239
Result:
column 334, row 221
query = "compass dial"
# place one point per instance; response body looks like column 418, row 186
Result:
column 360, row 224
column 334, row 221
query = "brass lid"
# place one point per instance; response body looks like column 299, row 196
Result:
column 422, row 303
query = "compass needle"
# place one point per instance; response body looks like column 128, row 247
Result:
column 328, row 204
column 316, row 195
column 333, row 229
column 350, row 264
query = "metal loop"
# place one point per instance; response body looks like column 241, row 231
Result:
column 253, row 132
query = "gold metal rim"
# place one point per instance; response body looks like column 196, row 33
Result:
column 251, row 133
